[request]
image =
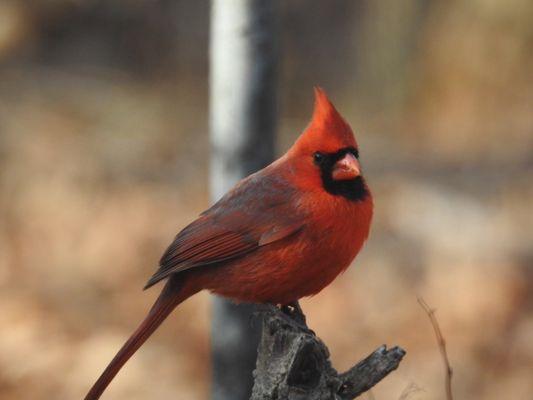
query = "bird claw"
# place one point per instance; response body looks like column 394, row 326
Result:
column 295, row 313
column 292, row 313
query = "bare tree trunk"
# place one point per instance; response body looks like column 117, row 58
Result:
column 293, row 364
column 242, row 124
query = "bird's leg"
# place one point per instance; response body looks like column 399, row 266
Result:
column 291, row 312
column 295, row 313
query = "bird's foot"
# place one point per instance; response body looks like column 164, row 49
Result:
column 295, row 313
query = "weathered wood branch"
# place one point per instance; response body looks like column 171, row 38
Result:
column 294, row 364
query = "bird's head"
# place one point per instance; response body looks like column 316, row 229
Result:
column 327, row 153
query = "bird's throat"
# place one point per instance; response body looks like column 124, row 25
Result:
column 353, row 189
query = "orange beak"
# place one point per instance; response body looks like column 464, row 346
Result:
column 346, row 168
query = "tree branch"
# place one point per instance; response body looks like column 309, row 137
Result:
column 293, row 363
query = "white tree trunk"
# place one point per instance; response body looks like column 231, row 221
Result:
column 242, row 124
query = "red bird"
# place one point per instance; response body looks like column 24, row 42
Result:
column 280, row 234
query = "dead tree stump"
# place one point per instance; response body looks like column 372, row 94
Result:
column 293, row 363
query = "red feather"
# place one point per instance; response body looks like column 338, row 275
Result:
column 234, row 226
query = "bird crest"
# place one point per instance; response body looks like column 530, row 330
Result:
column 327, row 131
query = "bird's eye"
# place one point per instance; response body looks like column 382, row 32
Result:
column 318, row 157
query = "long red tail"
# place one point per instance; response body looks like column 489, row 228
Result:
column 173, row 294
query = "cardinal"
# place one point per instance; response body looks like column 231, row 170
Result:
column 280, row 234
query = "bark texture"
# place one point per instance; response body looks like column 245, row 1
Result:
column 294, row 364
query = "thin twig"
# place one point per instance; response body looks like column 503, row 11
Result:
column 442, row 346
column 409, row 390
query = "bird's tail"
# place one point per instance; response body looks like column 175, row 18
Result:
column 174, row 292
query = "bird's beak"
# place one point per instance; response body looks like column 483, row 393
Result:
column 346, row 168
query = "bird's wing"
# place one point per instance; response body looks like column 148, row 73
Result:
column 256, row 213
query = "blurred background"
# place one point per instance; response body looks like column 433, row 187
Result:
column 103, row 158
